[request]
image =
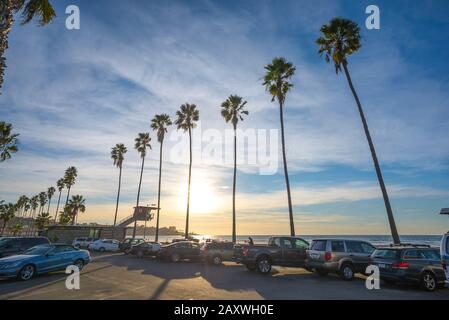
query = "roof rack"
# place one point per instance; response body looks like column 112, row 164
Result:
column 416, row 245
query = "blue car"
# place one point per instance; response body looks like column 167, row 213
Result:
column 42, row 259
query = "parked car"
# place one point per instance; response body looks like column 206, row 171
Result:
column 103, row 245
column 410, row 264
column 180, row 251
column 16, row 245
column 445, row 255
column 145, row 249
column 280, row 251
column 127, row 243
column 42, row 259
column 83, row 242
column 217, row 252
column 343, row 256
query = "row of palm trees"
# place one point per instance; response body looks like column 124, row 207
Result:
column 34, row 207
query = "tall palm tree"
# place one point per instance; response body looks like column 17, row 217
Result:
column 276, row 82
column 42, row 220
column 118, row 155
column 186, row 120
column 339, row 39
column 232, row 110
column 50, row 192
column 160, row 123
column 60, row 185
column 69, row 180
column 142, row 142
column 21, row 204
column 42, row 201
column 76, row 205
column 8, row 140
column 41, row 9
column 6, row 214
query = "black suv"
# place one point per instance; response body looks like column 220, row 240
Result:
column 16, row 245
column 407, row 263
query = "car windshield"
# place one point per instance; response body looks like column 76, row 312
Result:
column 37, row 250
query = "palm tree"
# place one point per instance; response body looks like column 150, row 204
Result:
column 75, row 205
column 339, row 39
column 41, row 9
column 142, row 142
column 69, row 180
column 186, row 120
column 118, row 155
column 50, row 192
column 42, row 201
column 276, row 82
column 6, row 214
column 160, row 123
column 16, row 229
column 21, row 204
column 42, row 220
column 8, row 140
column 232, row 110
column 60, row 185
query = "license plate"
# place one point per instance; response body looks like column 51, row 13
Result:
column 382, row 266
column 315, row 256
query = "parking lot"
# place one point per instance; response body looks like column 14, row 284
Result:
column 117, row 276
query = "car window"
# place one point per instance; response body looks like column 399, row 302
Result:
column 38, row 250
column 447, row 245
column 431, row 255
column 338, row 246
column 61, row 249
column 367, row 248
column 412, row 254
column 318, row 245
column 354, row 247
column 195, row 245
column 385, row 254
column 301, row 244
column 287, row 243
column 275, row 242
column 4, row 242
column 12, row 244
column 181, row 245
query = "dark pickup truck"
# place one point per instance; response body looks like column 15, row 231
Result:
column 280, row 251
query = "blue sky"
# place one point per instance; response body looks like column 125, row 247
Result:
column 73, row 94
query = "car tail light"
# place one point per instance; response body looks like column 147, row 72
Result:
column 328, row 256
column 400, row 265
column 245, row 251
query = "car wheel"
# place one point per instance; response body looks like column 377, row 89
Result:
column 347, row 272
column 27, row 272
column 216, row 260
column 79, row 264
column 174, row 257
column 321, row 272
column 102, row 249
column 428, row 281
column 264, row 265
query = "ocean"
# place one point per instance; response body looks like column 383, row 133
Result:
column 377, row 240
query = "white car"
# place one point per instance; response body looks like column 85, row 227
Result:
column 445, row 254
column 83, row 242
column 103, row 245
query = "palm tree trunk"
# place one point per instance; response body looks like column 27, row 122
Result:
column 287, row 182
column 159, row 192
column 68, row 195
column 188, row 190
column 6, row 21
column 118, row 195
column 234, row 233
column 138, row 196
column 394, row 231
column 57, row 207
column 48, row 207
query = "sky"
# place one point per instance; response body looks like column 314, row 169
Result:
column 74, row 94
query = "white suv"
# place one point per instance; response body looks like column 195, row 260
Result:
column 83, row 242
column 104, row 245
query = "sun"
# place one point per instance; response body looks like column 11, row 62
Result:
column 203, row 197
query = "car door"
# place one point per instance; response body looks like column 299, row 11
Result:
column 355, row 252
column 445, row 254
column 433, row 259
column 417, row 263
column 51, row 261
column 297, row 255
column 194, row 251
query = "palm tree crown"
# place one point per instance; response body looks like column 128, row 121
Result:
column 278, row 72
column 339, row 39
column 160, row 123
column 70, row 176
column 118, row 154
column 75, row 205
column 8, row 141
column 60, row 184
column 50, row 192
column 233, row 110
column 142, row 142
column 187, row 116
